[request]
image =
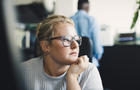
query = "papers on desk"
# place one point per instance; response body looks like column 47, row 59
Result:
column 125, row 37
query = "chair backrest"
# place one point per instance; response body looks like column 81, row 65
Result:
column 85, row 48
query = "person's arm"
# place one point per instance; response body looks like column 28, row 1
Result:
column 74, row 71
column 72, row 83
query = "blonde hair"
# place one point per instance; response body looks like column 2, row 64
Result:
column 46, row 28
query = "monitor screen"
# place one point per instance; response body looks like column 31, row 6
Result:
column 10, row 76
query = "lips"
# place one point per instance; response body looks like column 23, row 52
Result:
column 73, row 53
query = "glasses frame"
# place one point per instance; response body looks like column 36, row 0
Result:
column 62, row 38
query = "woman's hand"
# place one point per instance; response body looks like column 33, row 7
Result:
column 80, row 66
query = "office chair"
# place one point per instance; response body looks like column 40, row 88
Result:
column 86, row 48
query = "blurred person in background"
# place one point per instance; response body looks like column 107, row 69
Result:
column 87, row 26
column 59, row 67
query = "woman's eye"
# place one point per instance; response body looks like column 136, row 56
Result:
column 66, row 39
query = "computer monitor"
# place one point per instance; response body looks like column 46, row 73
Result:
column 10, row 73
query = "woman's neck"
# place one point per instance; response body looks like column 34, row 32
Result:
column 52, row 68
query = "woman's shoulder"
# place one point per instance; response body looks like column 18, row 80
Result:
column 32, row 60
column 91, row 70
column 32, row 63
column 91, row 78
column 91, row 67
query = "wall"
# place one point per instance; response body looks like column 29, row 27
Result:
column 65, row 7
column 115, row 13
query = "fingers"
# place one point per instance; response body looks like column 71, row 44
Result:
column 80, row 66
column 83, row 59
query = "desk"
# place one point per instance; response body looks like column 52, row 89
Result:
column 120, row 67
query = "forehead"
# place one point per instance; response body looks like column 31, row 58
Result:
column 63, row 29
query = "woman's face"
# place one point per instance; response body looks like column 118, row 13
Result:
column 57, row 51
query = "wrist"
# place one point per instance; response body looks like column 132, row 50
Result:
column 72, row 82
column 72, row 76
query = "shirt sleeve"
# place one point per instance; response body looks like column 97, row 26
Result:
column 91, row 79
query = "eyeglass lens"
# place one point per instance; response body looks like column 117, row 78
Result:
column 67, row 40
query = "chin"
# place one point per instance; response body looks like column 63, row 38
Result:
column 72, row 60
column 69, row 60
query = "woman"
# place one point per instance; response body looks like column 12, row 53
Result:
column 59, row 67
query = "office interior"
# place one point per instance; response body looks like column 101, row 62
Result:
column 120, row 65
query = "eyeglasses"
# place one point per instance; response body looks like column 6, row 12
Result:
column 67, row 40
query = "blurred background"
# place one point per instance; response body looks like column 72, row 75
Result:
column 120, row 64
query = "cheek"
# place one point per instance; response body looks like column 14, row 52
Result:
column 63, row 50
column 59, row 49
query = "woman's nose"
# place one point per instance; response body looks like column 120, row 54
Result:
column 74, row 44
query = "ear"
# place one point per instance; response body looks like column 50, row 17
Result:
column 44, row 46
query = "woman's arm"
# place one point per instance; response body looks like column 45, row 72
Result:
column 72, row 83
column 74, row 71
